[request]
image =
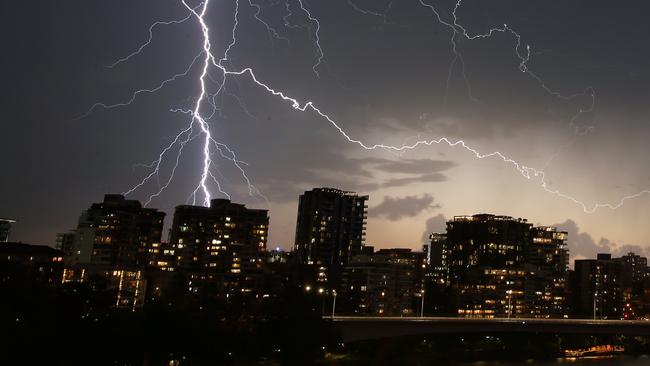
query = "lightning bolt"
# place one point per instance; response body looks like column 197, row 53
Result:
column 137, row 93
column 315, row 32
column 273, row 33
column 319, row 49
column 458, row 30
column 198, row 120
column 383, row 15
column 149, row 40
column 209, row 60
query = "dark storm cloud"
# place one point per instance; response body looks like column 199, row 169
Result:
column 395, row 208
column 411, row 166
column 382, row 80
column 420, row 171
column 424, row 178
column 325, row 167
column 436, row 224
column 583, row 245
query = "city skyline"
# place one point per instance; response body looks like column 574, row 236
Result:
column 485, row 284
column 386, row 84
column 483, row 265
column 436, row 224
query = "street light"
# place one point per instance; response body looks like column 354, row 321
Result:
column 333, row 303
column 422, row 306
column 595, row 297
column 509, row 292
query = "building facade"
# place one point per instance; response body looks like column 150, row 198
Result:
column 330, row 227
column 437, row 259
column 635, row 269
column 548, row 258
column 330, row 230
column 597, row 288
column 485, row 240
column 224, row 244
column 500, row 266
column 127, row 286
column 115, row 233
column 386, row 282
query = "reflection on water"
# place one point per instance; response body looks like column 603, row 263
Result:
column 587, row 361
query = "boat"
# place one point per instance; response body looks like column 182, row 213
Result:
column 601, row 350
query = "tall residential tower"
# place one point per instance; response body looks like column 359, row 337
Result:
column 116, row 232
column 331, row 226
column 224, row 244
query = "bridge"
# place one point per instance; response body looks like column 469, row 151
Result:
column 356, row 328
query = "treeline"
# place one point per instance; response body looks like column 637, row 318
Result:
column 77, row 324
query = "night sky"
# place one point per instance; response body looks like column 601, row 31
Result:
column 384, row 79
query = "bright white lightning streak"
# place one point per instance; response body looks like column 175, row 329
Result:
column 207, row 161
column 210, row 59
column 525, row 171
column 186, row 135
column 196, row 115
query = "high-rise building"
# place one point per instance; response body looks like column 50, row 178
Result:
column 437, row 259
column 331, row 226
column 635, row 269
column 549, row 261
column 597, row 287
column 485, row 240
column 502, row 266
column 223, row 244
column 116, row 232
column 386, row 282
column 5, row 229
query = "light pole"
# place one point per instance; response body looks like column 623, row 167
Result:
column 422, row 306
column 595, row 297
column 333, row 303
column 321, row 292
column 509, row 292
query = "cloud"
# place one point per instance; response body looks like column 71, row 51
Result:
column 413, row 166
column 436, row 224
column 397, row 208
column 583, row 246
column 427, row 178
column 332, row 169
column 417, row 171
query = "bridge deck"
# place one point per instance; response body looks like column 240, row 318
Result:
column 354, row 328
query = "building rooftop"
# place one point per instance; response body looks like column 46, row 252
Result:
column 486, row 217
column 28, row 249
